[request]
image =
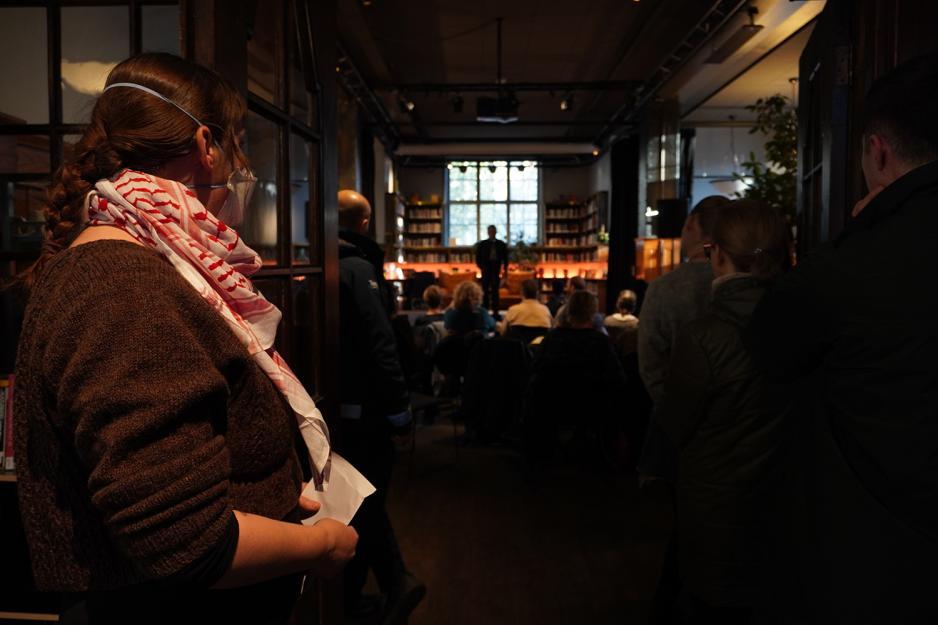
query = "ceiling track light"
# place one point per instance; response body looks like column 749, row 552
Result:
column 406, row 104
column 738, row 39
column 566, row 103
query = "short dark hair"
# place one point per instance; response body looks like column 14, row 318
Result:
column 707, row 210
column 433, row 296
column 581, row 308
column 901, row 107
column 491, row 227
column 577, row 283
column 529, row 288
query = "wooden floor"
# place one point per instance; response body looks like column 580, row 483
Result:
column 496, row 547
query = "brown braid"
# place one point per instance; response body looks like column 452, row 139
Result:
column 131, row 129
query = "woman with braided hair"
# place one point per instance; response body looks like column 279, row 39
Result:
column 157, row 472
column 725, row 420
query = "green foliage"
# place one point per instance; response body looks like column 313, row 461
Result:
column 523, row 255
column 774, row 181
column 602, row 237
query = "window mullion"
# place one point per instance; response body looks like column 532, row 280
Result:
column 478, row 202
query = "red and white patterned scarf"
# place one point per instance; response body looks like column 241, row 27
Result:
column 166, row 216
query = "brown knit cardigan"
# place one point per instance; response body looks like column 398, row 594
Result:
column 141, row 422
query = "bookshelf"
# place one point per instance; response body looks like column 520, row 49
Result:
column 394, row 207
column 570, row 230
column 423, row 234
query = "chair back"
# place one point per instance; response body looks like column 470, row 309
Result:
column 494, row 388
column 525, row 334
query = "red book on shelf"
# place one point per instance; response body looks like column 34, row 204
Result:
column 8, row 462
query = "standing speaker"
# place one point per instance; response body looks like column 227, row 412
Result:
column 671, row 216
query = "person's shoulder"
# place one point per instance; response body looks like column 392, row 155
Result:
column 106, row 286
column 107, row 266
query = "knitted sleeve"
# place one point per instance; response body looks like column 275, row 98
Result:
column 133, row 375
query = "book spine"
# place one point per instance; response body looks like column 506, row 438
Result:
column 9, row 463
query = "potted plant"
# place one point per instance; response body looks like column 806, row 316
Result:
column 524, row 256
column 775, row 180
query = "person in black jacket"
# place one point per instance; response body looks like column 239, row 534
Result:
column 724, row 419
column 491, row 257
column 375, row 408
column 856, row 323
column 579, row 383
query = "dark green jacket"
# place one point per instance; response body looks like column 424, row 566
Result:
column 724, row 419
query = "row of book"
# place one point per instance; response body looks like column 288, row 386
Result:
column 566, row 213
column 568, row 258
column 7, row 461
column 421, row 242
column 425, row 213
column 424, row 227
column 586, row 239
column 425, row 257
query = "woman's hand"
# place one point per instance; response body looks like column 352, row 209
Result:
column 341, row 540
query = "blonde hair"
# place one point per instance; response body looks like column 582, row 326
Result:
column 468, row 296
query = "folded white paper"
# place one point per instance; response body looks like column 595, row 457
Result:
column 345, row 492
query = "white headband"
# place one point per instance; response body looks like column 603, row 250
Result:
column 162, row 97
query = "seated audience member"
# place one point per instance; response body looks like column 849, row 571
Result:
column 530, row 313
column 574, row 285
column 623, row 318
column 433, row 297
column 557, row 296
column 724, row 419
column 466, row 313
column 576, row 356
column 428, row 332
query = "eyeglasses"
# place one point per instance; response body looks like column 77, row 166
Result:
column 707, row 249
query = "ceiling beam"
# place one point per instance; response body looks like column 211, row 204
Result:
column 477, row 124
column 489, row 87
column 491, row 147
column 709, row 25
column 353, row 82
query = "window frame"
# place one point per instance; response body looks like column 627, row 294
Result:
column 55, row 129
column 479, row 202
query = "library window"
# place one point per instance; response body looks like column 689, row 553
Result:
column 499, row 193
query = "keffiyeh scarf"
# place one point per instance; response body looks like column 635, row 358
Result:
column 166, row 216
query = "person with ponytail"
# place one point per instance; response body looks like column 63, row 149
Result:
column 157, row 469
column 724, row 418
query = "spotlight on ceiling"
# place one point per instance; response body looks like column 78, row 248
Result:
column 595, row 151
column 406, row 104
column 456, row 101
column 567, row 103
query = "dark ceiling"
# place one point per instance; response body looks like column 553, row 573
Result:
column 417, row 49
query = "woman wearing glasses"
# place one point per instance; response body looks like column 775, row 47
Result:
column 724, row 419
column 157, row 472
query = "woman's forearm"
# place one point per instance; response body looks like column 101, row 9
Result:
column 268, row 549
